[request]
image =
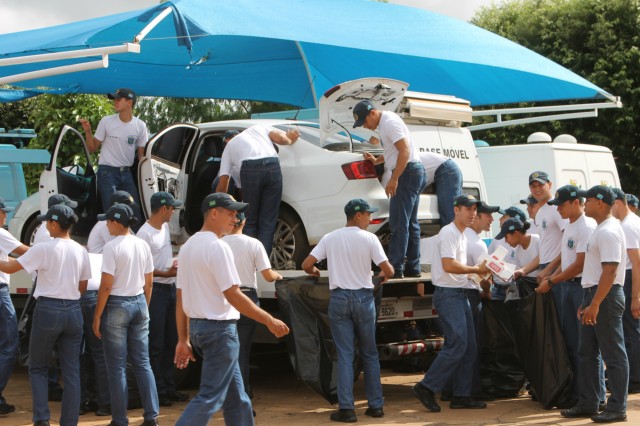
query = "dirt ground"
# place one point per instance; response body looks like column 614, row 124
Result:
column 281, row 399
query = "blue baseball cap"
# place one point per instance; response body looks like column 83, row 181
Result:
column 358, row 205
column 60, row 213
column 61, row 199
column 4, row 207
column 466, row 200
column 600, row 192
column 632, row 200
column 515, row 212
column 221, row 199
column 120, row 213
column 361, row 111
column 161, row 199
column 510, row 225
column 565, row 193
column 539, row 176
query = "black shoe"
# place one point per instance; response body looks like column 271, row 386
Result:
column 42, row 423
column 609, row 417
column 254, row 412
column 602, row 406
column 575, row 412
column 152, row 422
column 178, row 396
column 55, row 393
column 426, row 397
column 103, row 410
column 84, row 409
column 6, row 408
column 344, row 416
column 413, row 274
column 634, row 387
column 466, row 402
column 164, row 401
column 446, row 396
column 374, row 412
column 398, row 275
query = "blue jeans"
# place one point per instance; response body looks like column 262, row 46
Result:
column 246, row 329
column 262, row 188
column 455, row 362
column 448, row 181
column 631, row 327
column 403, row 220
column 221, row 382
column 112, row 179
column 8, row 337
column 94, row 369
column 352, row 317
column 163, row 336
column 605, row 337
column 125, row 332
column 56, row 321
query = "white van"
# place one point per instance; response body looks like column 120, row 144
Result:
column 506, row 168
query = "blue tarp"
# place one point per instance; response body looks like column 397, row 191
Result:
column 292, row 51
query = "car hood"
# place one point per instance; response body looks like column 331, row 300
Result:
column 336, row 105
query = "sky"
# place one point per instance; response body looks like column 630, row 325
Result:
column 20, row 15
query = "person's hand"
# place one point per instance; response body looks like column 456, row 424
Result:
column 315, row 272
column 293, row 135
column 96, row 327
column 86, row 126
column 635, row 307
column 383, row 276
column 518, row 273
column 482, row 269
column 370, row 157
column 184, row 354
column 173, row 271
column 277, row 327
column 391, row 188
column 278, row 277
column 543, row 287
column 590, row 314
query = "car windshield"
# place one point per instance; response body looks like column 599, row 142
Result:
column 310, row 132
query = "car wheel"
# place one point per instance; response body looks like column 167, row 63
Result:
column 30, row 228
column 290, row 244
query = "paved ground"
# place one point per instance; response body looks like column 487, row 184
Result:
column 281, row 399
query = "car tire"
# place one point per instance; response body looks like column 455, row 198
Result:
column 29, row 230
column 290, row 244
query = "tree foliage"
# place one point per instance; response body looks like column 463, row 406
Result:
column 598, row 40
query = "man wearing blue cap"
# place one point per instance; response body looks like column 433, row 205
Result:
column 42, row 234
column 404, row 180
column 162, row 307
column 499, row 288
column 8, row 321
column 601, row 313
column 352, row 314
column 633, row 202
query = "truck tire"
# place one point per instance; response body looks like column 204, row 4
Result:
column 29, row 230
column 290, row 244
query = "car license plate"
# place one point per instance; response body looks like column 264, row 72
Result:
column 387, row 311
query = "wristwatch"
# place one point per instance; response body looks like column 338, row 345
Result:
column 551, row 283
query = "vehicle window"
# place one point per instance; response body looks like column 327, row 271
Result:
column 311, row 133
column 172, row 145
column 72, row 156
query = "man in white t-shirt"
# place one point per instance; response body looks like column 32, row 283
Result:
column 500, row 286
column 352, row 313
column 404, row 180
column 8, row 320
column 233, row 188
column 630, row 322
column 120, row 137
column 252, row 156
column 633, row 203
column 532, row 208
column 163, row 335
column 569, row 275
column 63, row 270
column 455, row 361
column 42, row 234
column 249, row 256
column 100, row 234
column 601, row 313
column 208, row 304
column 123, row 297
column 447, row 176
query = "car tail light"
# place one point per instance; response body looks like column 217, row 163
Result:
column 359, row 170
column 377, row 221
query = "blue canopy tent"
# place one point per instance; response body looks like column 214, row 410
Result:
column 293, row 51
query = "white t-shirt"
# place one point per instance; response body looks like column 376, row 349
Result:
column 349, row 252
column 42, row 234
column 549, row 225
column 575, row 239
column 128, row 259
column 631, row 229
column 476, row 250
column 98, row 237
column 509, row 258
column 524, row 257
column 605, row 245
column 251, row 144
column 7, row 245
column 159, row 241
column 61, row 265
column 206, row 269
column 120, row 140
column 249, row 256
column 392, row 129
column 431, row 161
column 452, row 244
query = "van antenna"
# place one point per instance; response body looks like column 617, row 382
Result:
column 295, row 117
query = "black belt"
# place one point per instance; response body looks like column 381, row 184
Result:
column 261, row 161
column 575, row 280
column 231, row 321
column 248, row 290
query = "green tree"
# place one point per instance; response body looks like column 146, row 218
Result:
column 598, row 40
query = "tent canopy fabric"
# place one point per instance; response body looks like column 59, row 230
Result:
column 293, row 51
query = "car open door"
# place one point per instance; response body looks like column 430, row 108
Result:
column 71, row 172
column 161, row 168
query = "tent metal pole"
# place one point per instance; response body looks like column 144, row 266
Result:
column 142, row 34
column 71, row 54
column 85, row 66
column 309, row 77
